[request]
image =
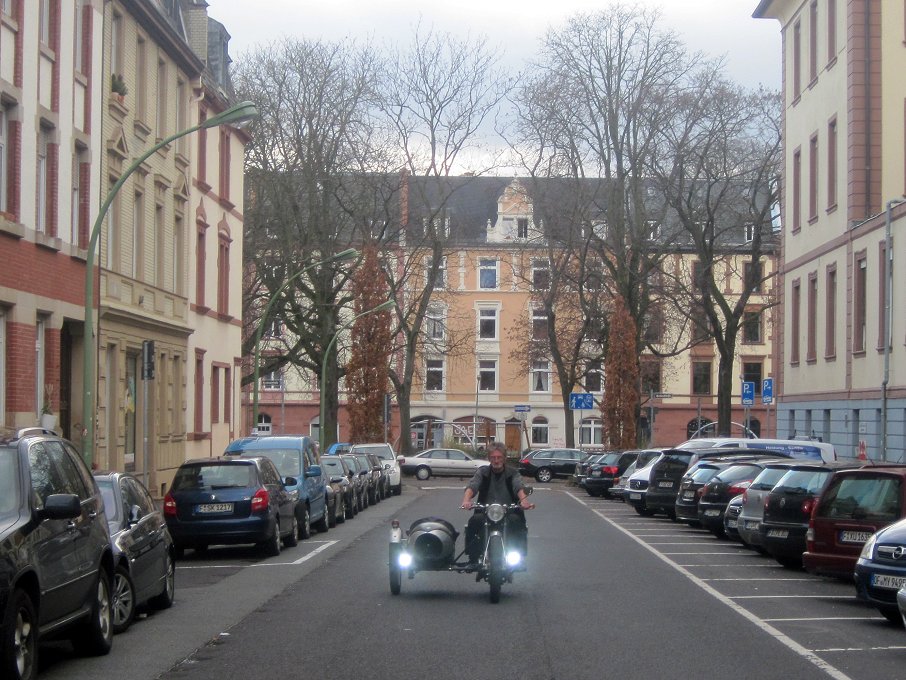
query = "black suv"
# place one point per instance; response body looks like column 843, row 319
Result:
column 545, row 464
column 56, row 563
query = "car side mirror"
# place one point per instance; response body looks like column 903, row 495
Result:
column 313, row 471
column 135, row 514
column 61, row 506
column 290, row 481
column 336, row 479
column 400, row 458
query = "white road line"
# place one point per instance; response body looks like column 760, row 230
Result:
column 314, row 552
column 690, row 543
column 784, row 639
column 859, row 649
column 832, row 618
column 738, row 554
column 789, row 597
column 758, row 579
column 758, row 566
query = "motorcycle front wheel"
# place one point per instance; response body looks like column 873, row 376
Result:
column 496, row 570
column 396, row 573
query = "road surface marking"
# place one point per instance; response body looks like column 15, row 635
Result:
column 314, row 552
column 781, row 637
column 833, row 618
column 789, row 597
column 758, row 579
column 858, row 649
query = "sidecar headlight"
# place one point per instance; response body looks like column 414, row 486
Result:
column 404, row 560
column 513, row 558
column 496, row 512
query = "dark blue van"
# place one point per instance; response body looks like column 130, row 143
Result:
column 294, row 456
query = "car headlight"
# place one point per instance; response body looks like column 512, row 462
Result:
column 496, row 512
column 868, row 548
column 513, row 558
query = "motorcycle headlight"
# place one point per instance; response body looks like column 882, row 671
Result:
column 513, row 558
column 868, row 548
column 496, row 512
column 404, row 560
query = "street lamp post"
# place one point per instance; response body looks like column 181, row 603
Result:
column 347, row 254
column 389, row 304
column 240, row 113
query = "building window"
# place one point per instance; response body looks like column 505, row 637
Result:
column 434, row 375
column 224, row 164
column 202, row 149
column 264, row 425
column 813, row 178
column 521, row 227
column 831, row 30
column 541, row 274
column 811, row 341
column 272, row 380
column 435, row 323
column 813, row 41
column 116, row 44
column 440, row 277
column 859, row 303
column 223, row 274
column 200, row 264
column 795, row 303
column 141, row 86
column 40, row 359
column 44, row 182
column 273, row 330
column 79, row 37
column 111, row 248
column 44, row 17
column 81, row 172
column 160, row 235
column 752, row 274
column 539, row 324
column 199, row 391
column 138, row 234
column 163, row 96
column 650, row 375
column 797, row 60
column 701, row 377
column 487, row 274
column 487, row 324
column 830, row 313
column 590, row 432
column 832, row 163
column 653, row 329
column 541, row 376
column 797, row 190
column 752, row 372
column 215, row 394
column 751, row 328
column 487, row 375
column 181, row 143
column 179, row 258
column 594, row 378
column 4, row 156
column 540, row 430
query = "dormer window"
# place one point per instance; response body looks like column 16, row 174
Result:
column 522, row 227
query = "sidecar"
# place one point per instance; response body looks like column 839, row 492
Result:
column 428, row 545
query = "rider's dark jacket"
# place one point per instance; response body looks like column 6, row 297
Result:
column 489, row 487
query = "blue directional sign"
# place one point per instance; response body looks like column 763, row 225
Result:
column 580, row 401
column 748, row 393
column 767, row 391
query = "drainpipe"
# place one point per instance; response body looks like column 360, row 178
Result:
column 888, row 319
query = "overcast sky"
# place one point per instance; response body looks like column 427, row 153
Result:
column 716, row 27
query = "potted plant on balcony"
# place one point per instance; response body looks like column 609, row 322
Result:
column 48, row 418
column 118, row 87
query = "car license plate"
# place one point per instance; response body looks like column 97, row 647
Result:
column 635, row 496
column 208, row 508
column 778, row 533
column 712, row 513
column 855, row 536
column 688, row 495
column 595, row 473
column 732, row 523
column 885, row 581
column 665, row 485
column 751, row 524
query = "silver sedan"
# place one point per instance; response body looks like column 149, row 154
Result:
column 436, row 462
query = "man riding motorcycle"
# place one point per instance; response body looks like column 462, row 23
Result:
column 495, row 483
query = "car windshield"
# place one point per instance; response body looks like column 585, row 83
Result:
column 608, row 459
column 9, row 482
column 381, row 450
column 288, row 461
column 736, row 473
column 767, row 479
column 704, row 473
column 333, row 465
column 875, row 497
column 645, row 458
column 803, row 482
column 205, row 477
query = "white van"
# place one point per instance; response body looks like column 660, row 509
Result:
column 807, row 449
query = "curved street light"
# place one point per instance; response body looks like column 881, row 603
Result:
column 389, row 304
column 347, row 254
column 239, row 113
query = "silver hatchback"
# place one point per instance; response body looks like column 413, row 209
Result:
column 752, row 513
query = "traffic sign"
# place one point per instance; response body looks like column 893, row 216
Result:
column 767, row 391
column 663, row 395
column 580, row 401
column 522, row 408
column 748, row 393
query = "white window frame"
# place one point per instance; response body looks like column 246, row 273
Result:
column 522, row 227
column 264, row 425
column 540, row 425
column 538, row 314
column 441, row 367
column 436, row 323
column 78, row 23
column 4, row 127
column 40, row 356
column 440, row 283
column 540, row 265
column 41, row 181
column 485, row 313
column 540, row 377
column 487, row 367
column 272, row 381
column 485, row 266
column 591, row 432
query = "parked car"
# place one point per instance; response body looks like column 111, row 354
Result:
column 731, row 518
column 545, row 464
column 800, row 449
column 637, row 487
column 901, row 603
column 598, row 472
column 56, row 563
column 855, row 504
column 371, row 477
column 231, row 500
column 581, row 469
column 881, row 570
column 788, row 508
column 753, row 499
column 337, row 448
column 388, row 458
column 437, row 462
column 296, row 459
column 143, row 551
column 339, row 477
column 383, row 477
column 691, row 485
column 621, row 484
column 361, row 478
column 724, row 486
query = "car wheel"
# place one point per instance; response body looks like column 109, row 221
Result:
column 19, row 646
column 340, row 514
column 95, row 637
column 179, row 551
column 323, row 524
column 292, row 538
column 892, row 615
column 123, row 600
column 593, row 492
column 789, row 562
column 164, row 600
column 351, row 508
column 398, row 489
column 644, row 512
column 544, row 475
column 423, row 473
column 271, row 547
column 305, row 523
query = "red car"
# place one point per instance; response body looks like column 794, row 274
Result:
column 855, row 504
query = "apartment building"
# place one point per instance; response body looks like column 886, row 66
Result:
column 841, row 357
column 51, row 140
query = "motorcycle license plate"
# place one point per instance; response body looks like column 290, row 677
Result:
column 778, row 533
column 209, row 508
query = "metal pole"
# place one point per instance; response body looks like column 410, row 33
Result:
column 146, row 478
column 888, row 320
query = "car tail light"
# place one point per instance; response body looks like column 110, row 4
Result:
column 524, row 461
column 260, row 500
column 706, row 489
column 807, row 506
column 739, row 488
column 609, row 469
column 700, row 491
column 169, row 505
column 810, row 533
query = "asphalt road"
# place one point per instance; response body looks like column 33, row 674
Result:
column 608, row 594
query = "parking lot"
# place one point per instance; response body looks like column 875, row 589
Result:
column 818, row 618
